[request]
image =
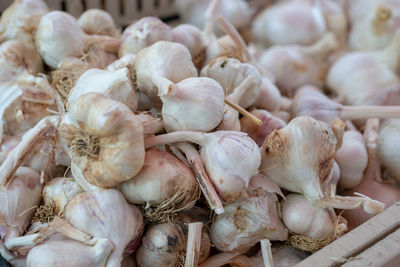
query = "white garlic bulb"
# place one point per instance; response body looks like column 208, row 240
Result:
column 104, row 138
column 269, row 97
column 193, row 104
column 230, row 158
column 106, row 214
column 144, row 33
column 388, row 146
column 97, row 21
column 290, row 22
column 193, row 39
column 157, row 59
column 229, row 73
column 114, row 84
column 287, row 256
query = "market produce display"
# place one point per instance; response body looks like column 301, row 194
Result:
column 252, row 133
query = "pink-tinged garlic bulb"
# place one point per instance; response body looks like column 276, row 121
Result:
column 230, row 158
column 373, row 71
column 17, row 57
column 193, row 104
column 144, row 33
column 193, row 39
column 106, row 214
column 269, row 97
column 290, row 22
column 97, row 21
column 20, row 19
column 104, row 139
column 352, row 159
column 18, row 195
column 157, row 59
column 294, row 65
column 59, row 36
column 259, row 132
column 388, row 148
column 251, row 218
column 164, row 185
column 8, row 144
column 229, row 73
column 115, row 85
column 165, row 244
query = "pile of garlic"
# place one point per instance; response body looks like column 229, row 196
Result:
column 161, row 146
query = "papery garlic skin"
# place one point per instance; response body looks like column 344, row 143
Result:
column 229, row 73
column 18, row 197
column 304, row 218
column 104, row 138
column 122, row 62
column 70, row 253
column 59, row 191
column 106, row 214
column 97, row 21
column 8, row 144
column 287, row 256
column 144, row 33
column 114, row 84
column 157, row 59
column 388, row 148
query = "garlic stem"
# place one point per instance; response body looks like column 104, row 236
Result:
column 339, row 202
column 362, row 112
column 193, row 244
column 174, row 137
column 371, row 136
column 266, row 252
column 71, row 231
column 239, row 91
column 29, row 240
column 209, row 24
column 202, row 178
column 324, row 45
column 338, row 127
column 244, row 112
column 163, row 85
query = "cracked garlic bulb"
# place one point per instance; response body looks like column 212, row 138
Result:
column 97, row 21
column 104, row 139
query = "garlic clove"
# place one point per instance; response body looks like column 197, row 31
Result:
column 97, row 21
column 104, row 138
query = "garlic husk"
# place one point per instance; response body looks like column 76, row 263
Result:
column 106, row 214
column 193, row 39
column 156, row 60
column 19, row 196
column 115, row 85
column 259, row 133
column 248, row 220
column 126, row 61
column 20, row 19
column 230, row 158
column 352, row 159
column 183, row 102
column 144, row 33
column 58, row 253
column 229, row 73
column 104, row 138
column 151, row 124
column 164, row 184
column 269, row 97
column 290, row 22
column 17, row 57
column 388, row 148
column 97, row 21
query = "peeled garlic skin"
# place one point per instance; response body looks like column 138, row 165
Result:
column 115, row 134
column 304, row 218
column 246, row 221
column 18, row 197
column 97, row 21
column 194, row 104
column 144, row 33
column 388, row 147
column 59, row 191
column 352, row 159
column 161, row 176
column 106, row 214
column 229, row 73
column 69, row 253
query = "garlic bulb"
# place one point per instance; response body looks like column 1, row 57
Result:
column 125, row 61
column 230, row 158
column 294, row 65
column 269, row 97
column 104, row 138
column 193, row 39
column 183, row 102
column 97, row 21
column 259, row 133
column 164, row 184
column 18, row 195
column 287, row 256
column 115, row 85
column 144, row 33
column 157, row 59
column 290, row 22
column 387, row 147
column 59, row 36
column 17, row 57
column 106, row 214
column 373, row 71
column 352, row 159
column 229, row 73
column 20, row 19
column 248, row 220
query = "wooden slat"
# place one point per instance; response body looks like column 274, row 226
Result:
column 4, row 4
column 358, row 240
column 54, row 4
column 75, row 7
column 131, row 11
column 93, row 4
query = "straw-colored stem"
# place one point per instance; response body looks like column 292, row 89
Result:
column 266, row 252
column 364, row 112
column 240, row 90
column 71, row 231
column 29, row 240
column 209, row 24
column 339, row 202
column 371, row 136
column 193, row 244
column 244, row 112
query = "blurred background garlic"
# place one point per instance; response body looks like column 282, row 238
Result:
column 388, row 153
column 97, row 21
